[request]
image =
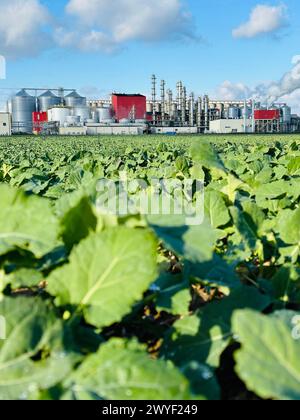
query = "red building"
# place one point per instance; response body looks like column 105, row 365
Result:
column 129, row 106
column 38, row 120
column 267, row 114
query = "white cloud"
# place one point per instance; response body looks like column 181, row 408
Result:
column 22, row 25
column 286, row 89
column 263, row 20
column 106, row 26
column 229, row 91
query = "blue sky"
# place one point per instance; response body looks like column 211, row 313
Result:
column 98, row 47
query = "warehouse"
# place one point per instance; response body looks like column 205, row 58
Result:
column 5, row 124
column 230, row 126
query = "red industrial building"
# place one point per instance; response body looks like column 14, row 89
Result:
column 131, row 107
column 267, row 114
column 38, row 121
column 267, row 120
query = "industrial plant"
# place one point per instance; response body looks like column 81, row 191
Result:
column 65, row 112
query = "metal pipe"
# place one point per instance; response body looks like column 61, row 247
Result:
column 170, row 104
column 253, row 116
column 183, row 106
column 192, row 109
column 199, row 112
column 154, row 98
column 163, row 100
column 206, row 112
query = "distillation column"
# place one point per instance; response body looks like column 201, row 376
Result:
column 192, row 110
column 154, row 98
column 163, row 101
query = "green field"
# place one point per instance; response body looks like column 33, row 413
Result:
column 100, row 306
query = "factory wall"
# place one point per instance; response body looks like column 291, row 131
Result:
column 73, row 131
column 174, row 130
column 115, row 130
column 5, row 124
column 125, row 105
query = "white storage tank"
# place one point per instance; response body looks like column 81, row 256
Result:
column 59, row 114
column 104, row 113
column 83, row 112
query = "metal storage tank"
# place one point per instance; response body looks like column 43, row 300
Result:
column 286, row 114
column 104, row 113
column 95, row 115
column 246, row 112
column 23, row 105
column 74, row 99
column 59, row 114
column 48, row 100
column 84, row 112
column 234, row 113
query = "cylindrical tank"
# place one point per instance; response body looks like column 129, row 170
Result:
column 59, row 114
column 72, row 120
column 234, row 113
column 246, row 112
column 149, row 108
column 48, row 100
column 84, row 112
column 104, row 113
column 95, row 116
column 73, row 99
column 22, row 106
column 286, row 114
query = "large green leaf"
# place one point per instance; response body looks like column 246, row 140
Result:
column 204, row 154
column 77, row 217
column 107, row 274
column 204, row 336
column 26, row 222
column 32, row 356
column 268, row 361
column 123, row 370
column 289, row 226
column 216, row 209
